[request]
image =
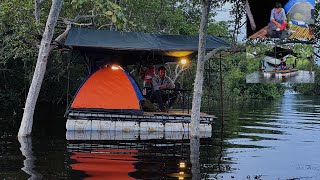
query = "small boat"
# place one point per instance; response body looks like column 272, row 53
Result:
column 110, row 101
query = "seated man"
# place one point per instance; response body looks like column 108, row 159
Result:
column 162, row 82
column 283, row 65
column 278, row 22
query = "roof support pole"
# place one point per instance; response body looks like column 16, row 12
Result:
column 221, row 91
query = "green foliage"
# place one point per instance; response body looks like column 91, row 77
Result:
column 235, row 89
column 253, row 64
column 159, row 17
column 310, row 89
column 18, row 40
column 20, row 36
column 107, row 13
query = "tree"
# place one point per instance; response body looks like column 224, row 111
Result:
column 250, row 16
column 27, row 119
column 202, row 58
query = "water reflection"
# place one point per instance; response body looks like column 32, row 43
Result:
column 126, row 159
column 29, row 162
column 194, row 157
column 273, row 140
column 136, row 154
column 266, row 140
column 300, row 77
column 105, row 163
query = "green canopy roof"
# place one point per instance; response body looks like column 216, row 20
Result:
column 116, row 40
column 101, row 46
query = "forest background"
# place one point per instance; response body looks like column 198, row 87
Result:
column 21, row 30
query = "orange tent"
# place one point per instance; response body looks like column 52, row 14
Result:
column 109, row 89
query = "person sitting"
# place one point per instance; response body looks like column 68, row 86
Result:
column 278, row 22
column 160, row 83
column 283, row 65
column 147, row 80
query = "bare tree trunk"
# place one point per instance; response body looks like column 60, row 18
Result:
column 27, row 119
column 198, row 83
column 250, row 16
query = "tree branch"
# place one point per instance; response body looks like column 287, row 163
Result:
column 250, row 16
column 37, row 10
column 215, row 51
column 69, row 24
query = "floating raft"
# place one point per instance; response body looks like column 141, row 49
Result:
column 149, row 122
column 287, row 72
column 298, row 32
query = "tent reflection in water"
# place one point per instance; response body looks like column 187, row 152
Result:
column 110, row 164
column 110, row 98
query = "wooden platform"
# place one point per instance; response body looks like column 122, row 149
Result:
column 298, row 32
column 172, row 115
column 282, row 71
column 175, row 112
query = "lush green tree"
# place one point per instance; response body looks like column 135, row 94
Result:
column 20, row 36
column 312, row 88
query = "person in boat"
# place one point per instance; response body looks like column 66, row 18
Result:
column 160, row 83
column 278, row 22
column 283, row 65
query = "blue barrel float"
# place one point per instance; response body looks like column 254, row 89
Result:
column 300, row 12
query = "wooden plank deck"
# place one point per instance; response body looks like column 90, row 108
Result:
column 175, row 116
column 177, row 112
column 298, row 32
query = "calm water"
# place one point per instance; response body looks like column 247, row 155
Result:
column 300, row 77
column 266, row 140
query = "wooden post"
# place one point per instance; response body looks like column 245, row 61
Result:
column 27, row 119
column 221, row 93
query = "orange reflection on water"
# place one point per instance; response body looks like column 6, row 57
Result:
column 106, row 163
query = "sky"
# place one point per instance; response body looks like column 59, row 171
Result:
column 223, row 14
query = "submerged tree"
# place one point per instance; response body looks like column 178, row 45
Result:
column 27, row 120
column 202, row 58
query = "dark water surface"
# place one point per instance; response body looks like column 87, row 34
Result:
column 265, row 140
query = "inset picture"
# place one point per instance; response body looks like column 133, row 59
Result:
column 281, row 63
column 280, row 19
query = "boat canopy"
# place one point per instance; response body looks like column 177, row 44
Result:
column 132, row 47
